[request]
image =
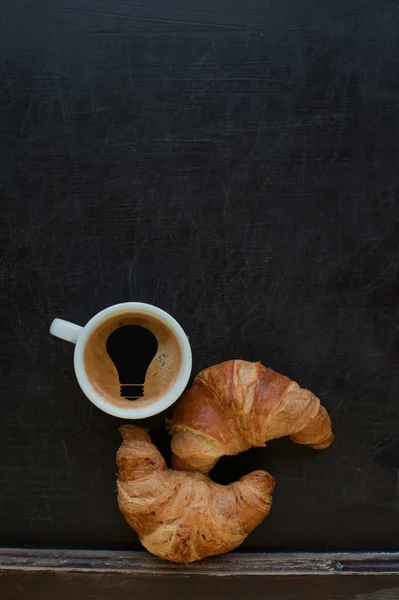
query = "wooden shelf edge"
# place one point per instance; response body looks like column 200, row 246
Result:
column 250, row 564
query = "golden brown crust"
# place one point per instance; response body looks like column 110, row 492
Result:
column 182, row 516
column 238, row 404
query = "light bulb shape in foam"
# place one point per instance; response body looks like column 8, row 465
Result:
column 131, row 349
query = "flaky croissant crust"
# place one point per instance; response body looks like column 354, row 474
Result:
column 238, row 404
column 181, row 516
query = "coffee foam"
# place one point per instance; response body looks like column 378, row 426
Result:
column 161, row 373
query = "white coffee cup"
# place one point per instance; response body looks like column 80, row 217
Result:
column 121, row 407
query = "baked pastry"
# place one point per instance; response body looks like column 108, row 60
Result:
column 181, row 516
column 238, row 404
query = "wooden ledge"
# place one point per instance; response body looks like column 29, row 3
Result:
column 248, row 564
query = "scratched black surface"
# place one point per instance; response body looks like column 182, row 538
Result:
column 236, row 163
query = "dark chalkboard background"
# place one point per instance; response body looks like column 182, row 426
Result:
column 236, row 163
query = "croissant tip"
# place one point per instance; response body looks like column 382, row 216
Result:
column 132, row 432
column 261, row 478
column 324, row 444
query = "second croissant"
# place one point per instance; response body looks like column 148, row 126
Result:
column 184, row 517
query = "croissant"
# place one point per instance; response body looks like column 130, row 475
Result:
column 181, row 516
column 238, row 404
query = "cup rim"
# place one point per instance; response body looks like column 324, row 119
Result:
column 157, row 406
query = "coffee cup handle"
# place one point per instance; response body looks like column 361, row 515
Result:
column 65, row 330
